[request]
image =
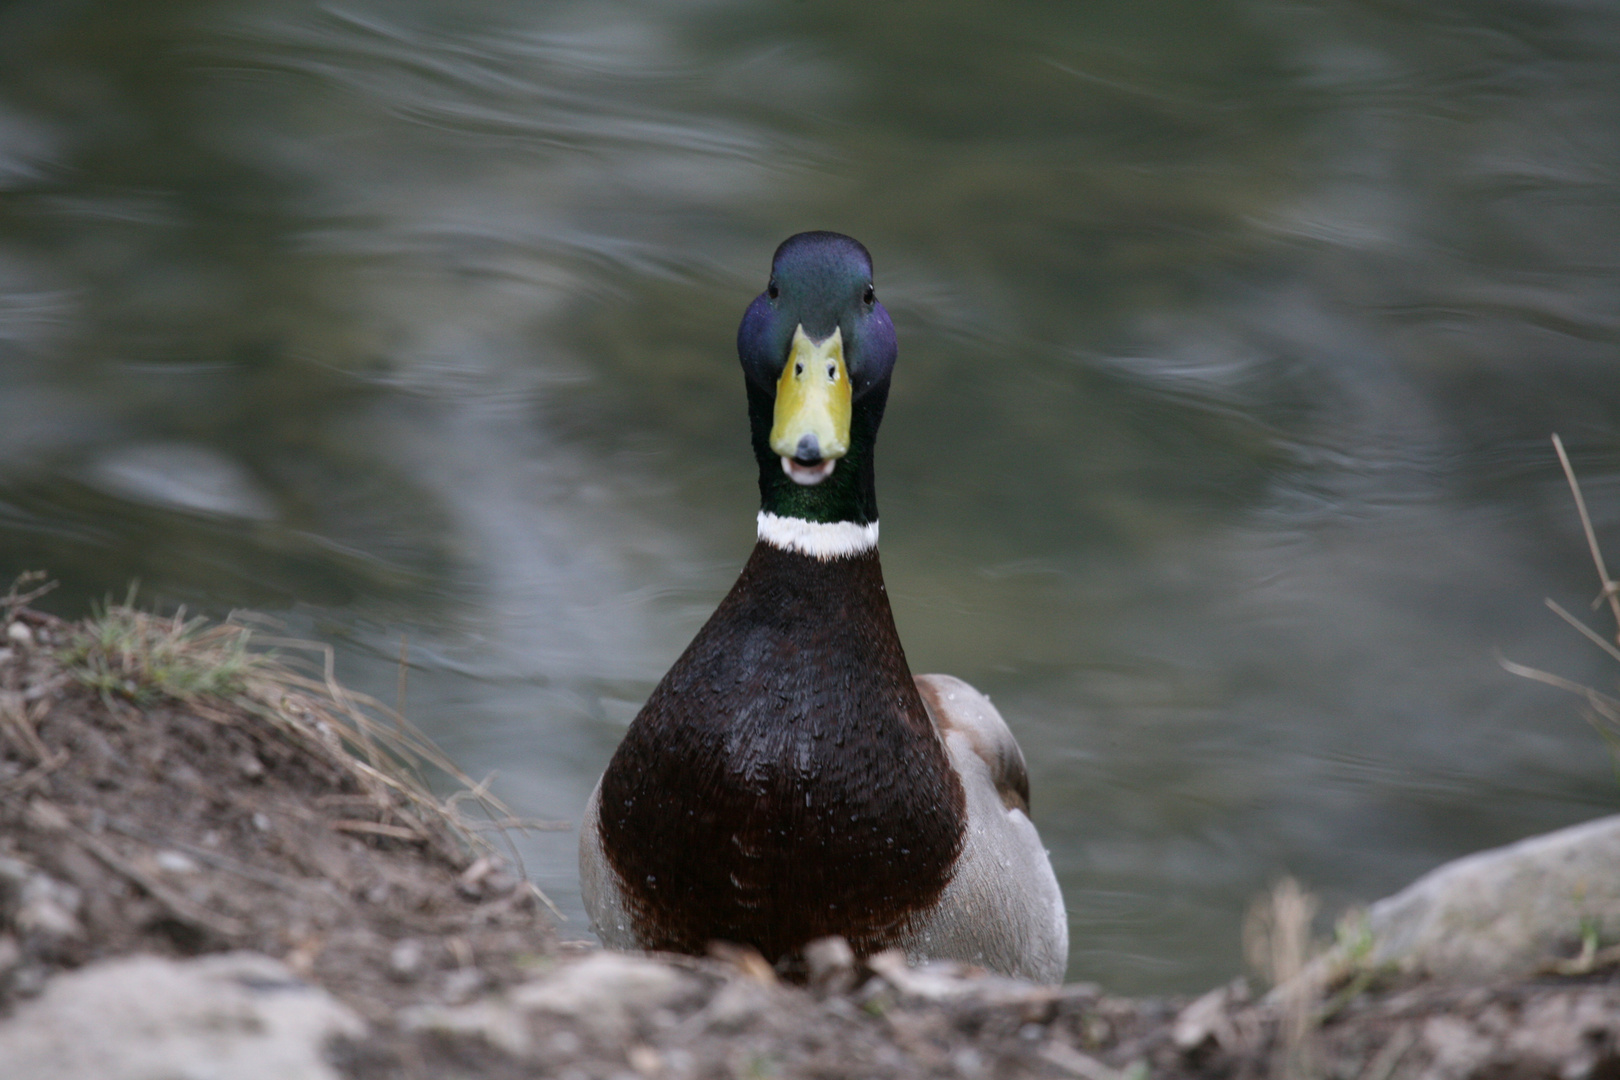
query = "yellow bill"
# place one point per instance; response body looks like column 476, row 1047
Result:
column 812, row 399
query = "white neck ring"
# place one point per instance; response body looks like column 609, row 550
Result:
column 818, row 539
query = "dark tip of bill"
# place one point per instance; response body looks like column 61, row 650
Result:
column 808, row 452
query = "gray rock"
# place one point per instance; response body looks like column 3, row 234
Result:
column 832, row 966
column 601, row 995
column 405, row 960
column 49, row 908
column 736, row 1005
column 236, row 1016
column 952, row 981
column 605, row 990
column 1507, row 912
column 491, row 1019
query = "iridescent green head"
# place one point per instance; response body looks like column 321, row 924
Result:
column 817, row 349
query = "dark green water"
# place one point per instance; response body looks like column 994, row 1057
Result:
column 1232, row 335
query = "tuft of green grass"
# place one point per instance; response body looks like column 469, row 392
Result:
column 145, row 658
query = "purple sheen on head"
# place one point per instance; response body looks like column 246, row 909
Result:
column 754, row 345
column 879, row 348
column 821, row 279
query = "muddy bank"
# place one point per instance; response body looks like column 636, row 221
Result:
column 139, row 815
column 210, row 866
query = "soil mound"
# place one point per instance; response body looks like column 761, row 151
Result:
column 163, row 789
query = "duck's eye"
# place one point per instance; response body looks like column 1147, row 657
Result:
column 868, row 297
column 772, row 291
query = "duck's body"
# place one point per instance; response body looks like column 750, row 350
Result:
column 788, row 778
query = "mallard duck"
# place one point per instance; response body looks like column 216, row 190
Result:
column 789, row 779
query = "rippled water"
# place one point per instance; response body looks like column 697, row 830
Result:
column 1232, row 335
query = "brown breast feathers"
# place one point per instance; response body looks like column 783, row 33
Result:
column 783, row 782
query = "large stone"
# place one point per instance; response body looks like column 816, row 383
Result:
column 236, row 1016
column 601, row 996
column 606, row 992
column 1507, row 912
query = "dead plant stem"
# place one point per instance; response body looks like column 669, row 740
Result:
column 1610, row 590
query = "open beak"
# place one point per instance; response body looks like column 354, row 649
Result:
column 811, row 423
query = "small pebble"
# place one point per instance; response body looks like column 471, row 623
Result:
column 176, row 862
column 565, row 1044
column 405, row 959
column 832, row 966
column 841, row 1007
column 487, row 876
column 10, row 953
column 44, row 887
column 470, row 885
column 47, row 816
column 20, row 634
column 14, row 872
column 499, row 882
column 46, row 916
column 968, row 1062
column 261, row 821
column 460, row 985
column 28, row 981
column 735, row 1006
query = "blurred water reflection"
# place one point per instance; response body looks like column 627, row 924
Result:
column 1232, row 335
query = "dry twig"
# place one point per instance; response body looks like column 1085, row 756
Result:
column 1603, row 711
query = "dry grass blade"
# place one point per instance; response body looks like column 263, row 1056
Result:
column 1276, row 931
column 1610, row 590
column 384, row 751
column 1603, row 711
column 1277, row 942
column 1586, row 631
column 20, row 595
column 17, row 726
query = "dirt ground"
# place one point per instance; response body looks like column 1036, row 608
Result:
column 182, row 828
column 145, row 809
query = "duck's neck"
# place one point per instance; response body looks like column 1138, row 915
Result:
column 847, row 495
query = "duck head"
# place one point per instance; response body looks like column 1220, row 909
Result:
column 817, row 350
